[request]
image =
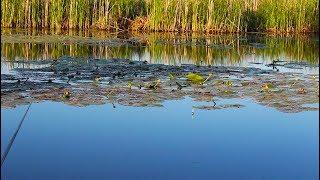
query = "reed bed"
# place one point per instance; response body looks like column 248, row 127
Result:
column 208, row 16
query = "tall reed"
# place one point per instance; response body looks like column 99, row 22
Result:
column 207, row 16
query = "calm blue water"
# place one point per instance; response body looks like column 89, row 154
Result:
column 59, row 141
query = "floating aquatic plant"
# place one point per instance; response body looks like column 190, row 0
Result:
column 195, row 78
column 129, row 84
column 66, row 94
column 171, row 77
column 282, row 97
column 228, row 83
column 267, row 87
column 227, row 92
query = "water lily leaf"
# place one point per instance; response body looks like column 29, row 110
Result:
column 171, row 77
column 267, row 87
column 229, row 92
column 229, row 83
column 66, row 94
column 129, row 84
column 195, row 78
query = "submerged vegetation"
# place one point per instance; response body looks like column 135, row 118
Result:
column 209, row 16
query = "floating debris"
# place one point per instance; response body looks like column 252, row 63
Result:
column 214, row 107
column 302, row 91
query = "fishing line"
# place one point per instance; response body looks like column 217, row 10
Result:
column 3, row 158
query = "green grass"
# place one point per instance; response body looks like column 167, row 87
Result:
column 209, row 16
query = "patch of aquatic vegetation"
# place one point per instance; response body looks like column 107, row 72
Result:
column 82, row 82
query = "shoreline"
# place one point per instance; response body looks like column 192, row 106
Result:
column 187, row 33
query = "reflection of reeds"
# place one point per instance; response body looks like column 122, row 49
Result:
column 226, row 50
column 164, row 15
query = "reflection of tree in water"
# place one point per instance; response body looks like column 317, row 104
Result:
column 225, row 50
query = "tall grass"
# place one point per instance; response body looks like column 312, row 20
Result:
column 207, row 16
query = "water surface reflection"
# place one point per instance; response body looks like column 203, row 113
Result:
column 59, row 141
column 231, row 50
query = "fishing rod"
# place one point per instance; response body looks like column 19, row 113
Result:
column 3, row 158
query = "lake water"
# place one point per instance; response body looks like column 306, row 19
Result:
column 176, row 141
column 254, row 50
